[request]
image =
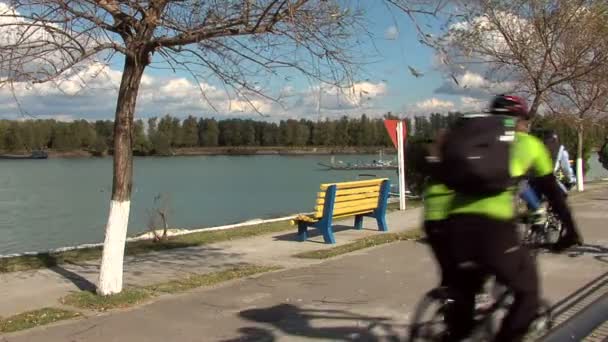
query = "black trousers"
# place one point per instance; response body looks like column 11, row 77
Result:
column 494, row 247
column 438, row 239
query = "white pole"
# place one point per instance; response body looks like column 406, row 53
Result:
column 580, row 180
column 401, row 161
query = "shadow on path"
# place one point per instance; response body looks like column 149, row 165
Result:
column 295, row 321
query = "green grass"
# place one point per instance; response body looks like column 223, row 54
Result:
column 209, row 279
column 367, row 242
column 137, row 295
column 45, row 260
column 35, row 318
column 92, row 301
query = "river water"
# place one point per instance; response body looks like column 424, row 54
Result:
column 52, row 203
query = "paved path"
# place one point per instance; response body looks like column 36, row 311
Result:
column 364, row 296
column 22, row 291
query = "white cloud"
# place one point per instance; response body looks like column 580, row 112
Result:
column 56, row 117
column 391, row 33
column 472, row 84
column 331, row 101
column 92, row 93
column 468, row 104
column 432, row 105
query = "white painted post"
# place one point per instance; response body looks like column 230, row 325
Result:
column 401, row 161
column 580, row 179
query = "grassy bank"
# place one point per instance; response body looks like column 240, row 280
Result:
column 367, row 242
column 35, row 318
column 45, row 260
column 137, row 295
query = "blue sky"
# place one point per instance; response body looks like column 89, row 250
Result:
column 388, row 81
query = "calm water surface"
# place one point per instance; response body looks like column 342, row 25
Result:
column 62, row 202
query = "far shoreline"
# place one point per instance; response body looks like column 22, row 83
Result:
column 234, row 151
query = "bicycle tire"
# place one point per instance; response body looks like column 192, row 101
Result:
column 421, row 330
column 543, row 322
column 554, row 227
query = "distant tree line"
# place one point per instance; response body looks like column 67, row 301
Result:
column 161, row 135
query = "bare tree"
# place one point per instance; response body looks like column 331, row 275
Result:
column 159, row 217
column 523, row 45
column 581, row 102
column 238, row 42
column 585, row 97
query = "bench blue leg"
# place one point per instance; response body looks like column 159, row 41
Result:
column 380, row 212
column 302, row 231
column 326, row 228
column 382, row 223
column 358, row 221
column 328, row 210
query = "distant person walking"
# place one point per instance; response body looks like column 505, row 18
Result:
column 603, row 154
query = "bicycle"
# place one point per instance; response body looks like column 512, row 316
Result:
column 548, row 232
column 486, row 318
column 544, row 234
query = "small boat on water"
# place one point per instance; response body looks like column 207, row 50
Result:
column 375, row 165
column 37, row 154
column 378, row 164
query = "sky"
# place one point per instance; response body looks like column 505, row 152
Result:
column 387, row 81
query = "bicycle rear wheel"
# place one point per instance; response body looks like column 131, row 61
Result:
column 554, row 227
column 428, row 323
column 542, row 323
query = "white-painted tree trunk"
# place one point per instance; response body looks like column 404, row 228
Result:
column 580, row 184
column 110, row 275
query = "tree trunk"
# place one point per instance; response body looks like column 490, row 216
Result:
column 535, row 104
column 579, row 161
column 110, row 275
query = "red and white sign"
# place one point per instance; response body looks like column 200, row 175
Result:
column 397, row 131
column 391, row 128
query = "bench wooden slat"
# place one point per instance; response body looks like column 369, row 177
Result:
column 346, row 198
column 354, row 184
column 314, row 218
column 352, row 214
column 354, row 191
column 349, row 204
column 364, row 207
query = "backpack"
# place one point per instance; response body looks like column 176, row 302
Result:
column 475, row 155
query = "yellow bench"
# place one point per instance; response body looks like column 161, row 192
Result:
column 339, row 200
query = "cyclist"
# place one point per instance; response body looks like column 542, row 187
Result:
column 481, row 230
column 603, row 154
column 562, row 169
column 436, row 198
column 561, row 159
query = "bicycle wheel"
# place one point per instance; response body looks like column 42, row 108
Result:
column 542, row 323
column 553, row 228
column 428, row 322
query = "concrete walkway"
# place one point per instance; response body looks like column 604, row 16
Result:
column 365, row 296
column 22, row 291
